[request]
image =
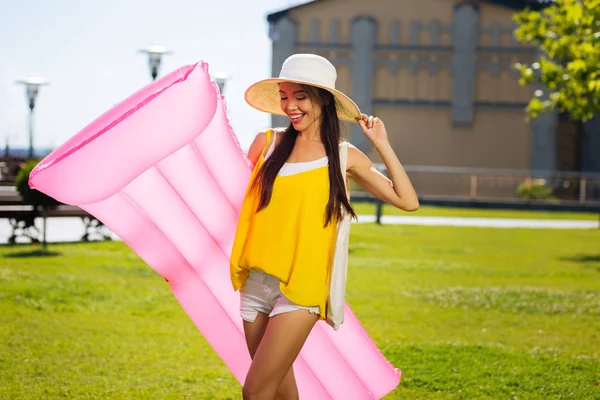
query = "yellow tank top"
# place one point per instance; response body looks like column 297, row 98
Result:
column 287, row 239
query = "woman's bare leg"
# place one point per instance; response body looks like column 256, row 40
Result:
column 281, row 343
column 254, row 331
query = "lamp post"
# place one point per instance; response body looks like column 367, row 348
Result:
column 221, row 79
column 32, row 88
column 155, row 53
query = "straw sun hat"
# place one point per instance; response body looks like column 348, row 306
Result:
column 306, row 69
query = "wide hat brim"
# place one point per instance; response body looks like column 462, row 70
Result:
column 264, row 96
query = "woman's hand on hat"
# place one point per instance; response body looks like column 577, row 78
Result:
column 372, row 127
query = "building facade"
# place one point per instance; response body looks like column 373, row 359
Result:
column 439, row 74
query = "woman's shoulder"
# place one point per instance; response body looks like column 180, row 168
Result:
column 351, row 148
column 269, row 134
column 279, row 131
column 356, row 156
column 260, row 142
column 276, row 135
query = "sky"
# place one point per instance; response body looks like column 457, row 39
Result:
column 88, row 51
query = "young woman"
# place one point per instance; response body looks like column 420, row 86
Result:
column 286, row 233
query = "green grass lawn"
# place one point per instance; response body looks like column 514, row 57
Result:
column 466, row 313
column 430, row 211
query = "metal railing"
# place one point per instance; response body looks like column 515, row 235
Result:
column 503, row 184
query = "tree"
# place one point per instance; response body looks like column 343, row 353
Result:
column 568, row 35
column 40, row 201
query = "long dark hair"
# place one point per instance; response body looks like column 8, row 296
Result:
column 330, row 136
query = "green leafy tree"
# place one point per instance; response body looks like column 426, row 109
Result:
column 568, row 35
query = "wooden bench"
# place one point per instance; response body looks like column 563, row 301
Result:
column 22, row 220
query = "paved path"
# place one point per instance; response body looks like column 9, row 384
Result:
column 71, row 229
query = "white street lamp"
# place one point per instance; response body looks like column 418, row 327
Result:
column 155, row 53
column 32, row 88
column 221, row 79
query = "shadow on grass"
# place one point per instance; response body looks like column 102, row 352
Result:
column 53, row 243
column 39, row 253
column 584, row 258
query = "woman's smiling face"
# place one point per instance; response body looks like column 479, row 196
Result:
column 297, row 103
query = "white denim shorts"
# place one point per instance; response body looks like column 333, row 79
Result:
column 261, row 293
